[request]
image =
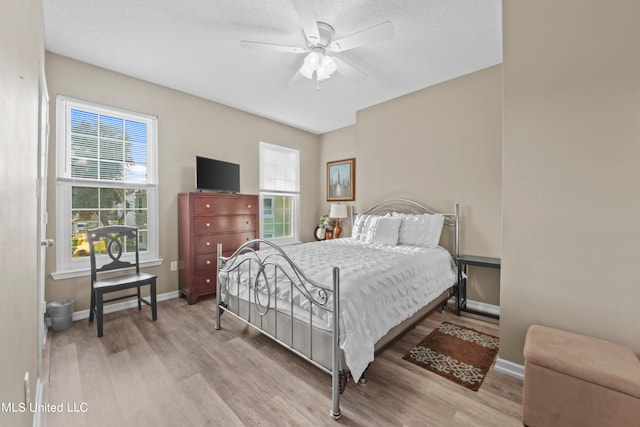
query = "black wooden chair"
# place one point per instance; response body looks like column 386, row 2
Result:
column 113, row 240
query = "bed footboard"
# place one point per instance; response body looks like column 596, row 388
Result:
column 269, row 292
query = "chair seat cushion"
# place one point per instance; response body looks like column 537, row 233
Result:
column 597, row 361
column 123, row 279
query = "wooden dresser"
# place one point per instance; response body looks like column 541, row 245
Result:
column 204, row 220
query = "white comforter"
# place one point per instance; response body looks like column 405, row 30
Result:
column 380, row 286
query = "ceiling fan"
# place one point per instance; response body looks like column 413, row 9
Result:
column 319, row 43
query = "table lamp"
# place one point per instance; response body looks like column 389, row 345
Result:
column 338, row 212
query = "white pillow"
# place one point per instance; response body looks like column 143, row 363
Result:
column 421, row 230
column 384, row 230
column 358, row 231
column 367, row 226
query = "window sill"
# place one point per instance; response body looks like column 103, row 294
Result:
column 60, row 275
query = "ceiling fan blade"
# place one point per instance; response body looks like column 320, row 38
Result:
column 296, row 78
column 271, row 47
column 373, row 34
column 349, row 71
column 304, row 9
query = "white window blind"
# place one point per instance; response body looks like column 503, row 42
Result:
column 279, row 168
column 107, row 148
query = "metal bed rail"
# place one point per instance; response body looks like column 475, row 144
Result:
column 262, row 276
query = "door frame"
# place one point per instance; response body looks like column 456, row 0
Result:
column 43, row 242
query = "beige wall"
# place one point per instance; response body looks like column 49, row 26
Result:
column 441, row 145
column 571, row 238
column 22, row 53
column 340, row 144
column 187, row 126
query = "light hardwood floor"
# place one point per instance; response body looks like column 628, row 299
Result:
column 180, row 371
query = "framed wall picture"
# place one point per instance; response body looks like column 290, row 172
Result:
column 341, row 180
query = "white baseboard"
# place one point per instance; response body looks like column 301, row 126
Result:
column 110, row 308
column 37, row 416
column 509, row 368
column 479, row 306
column 483, row 307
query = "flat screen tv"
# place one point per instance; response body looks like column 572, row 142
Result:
column 216, row 175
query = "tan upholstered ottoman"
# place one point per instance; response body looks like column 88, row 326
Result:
column 574, row 380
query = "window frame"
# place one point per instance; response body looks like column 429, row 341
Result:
column 66, row 265
column 270, row 193
column 294, row 238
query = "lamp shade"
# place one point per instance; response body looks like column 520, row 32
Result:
column 338, row 211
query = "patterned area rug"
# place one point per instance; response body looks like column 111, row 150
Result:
column 459, row 354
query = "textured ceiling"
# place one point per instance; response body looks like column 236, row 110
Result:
column 194, row 46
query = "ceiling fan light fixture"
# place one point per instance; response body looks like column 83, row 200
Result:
column 306, row 72
column 311, row 62
column 321, row 75
column 328, row 65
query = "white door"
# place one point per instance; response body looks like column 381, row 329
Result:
column 43, row 150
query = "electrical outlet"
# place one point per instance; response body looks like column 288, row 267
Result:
column 174, row 265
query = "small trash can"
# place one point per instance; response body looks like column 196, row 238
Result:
column 61, row 314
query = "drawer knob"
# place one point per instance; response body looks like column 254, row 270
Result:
column 208, row 281
column 248, row 222
column 208, row 243
column 208, row 261
column 249, row 206
column 207, row 206
column 207, row 225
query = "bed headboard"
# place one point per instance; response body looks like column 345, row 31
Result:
column 407, row 206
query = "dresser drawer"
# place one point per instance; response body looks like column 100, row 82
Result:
column 204, row 283
column 207, row 243
column 220, row 205
column 205, row 262
column 225, row 223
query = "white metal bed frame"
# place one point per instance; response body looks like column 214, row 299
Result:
column 317, row 294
